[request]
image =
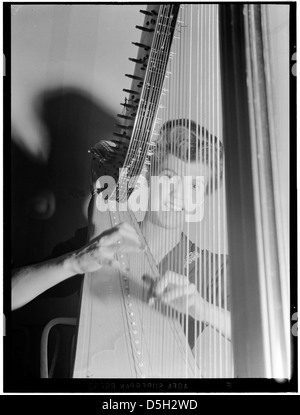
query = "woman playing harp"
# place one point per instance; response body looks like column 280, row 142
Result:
column 182, row 166
column 183, row 159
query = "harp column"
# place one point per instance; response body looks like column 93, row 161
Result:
column 259, row 289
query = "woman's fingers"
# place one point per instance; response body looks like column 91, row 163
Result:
column 168, row 280
column 122, row 231
column 122, row 239
column 127, row 231
column 177, row 293
column 112, row 262
column 119, row 249
column 175, row 290
column 102, row 250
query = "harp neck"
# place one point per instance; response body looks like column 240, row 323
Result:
column 134, row 142
column 149, row 76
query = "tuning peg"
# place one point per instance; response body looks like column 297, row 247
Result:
column 125, row 117
column 138, row 78
column 146, row 12
column 122, row 139
column 141, row 45
column 125, row 127
column 137, row 61
column 144, row 29
column 128, row 105
column 119, row 134
column 124, row 135
column 131, row 91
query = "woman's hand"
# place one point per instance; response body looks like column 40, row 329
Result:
column 176, row 291
column 29, row 282
column 102, row 250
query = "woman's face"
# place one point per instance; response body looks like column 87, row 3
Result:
column 177, row 193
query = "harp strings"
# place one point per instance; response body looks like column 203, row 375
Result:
column 211, row 128
column 181, row 103
column 188, row 143
column 218, row 204
column 190, row 88
column 199, row 70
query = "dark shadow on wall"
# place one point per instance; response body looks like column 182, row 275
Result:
column 29, row 179
column 48, row 206
column 74, row 122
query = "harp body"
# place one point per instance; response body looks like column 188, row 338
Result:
column 119, row 335
column 129, row 349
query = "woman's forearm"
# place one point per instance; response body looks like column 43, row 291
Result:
column 217, row 317
column 30, row 281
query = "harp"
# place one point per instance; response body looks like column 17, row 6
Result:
column 190, row 83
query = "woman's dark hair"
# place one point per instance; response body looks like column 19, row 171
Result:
column 189, row 142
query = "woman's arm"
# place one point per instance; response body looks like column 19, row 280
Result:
column 176, row 290
column 30, row 281
column 215, row 316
